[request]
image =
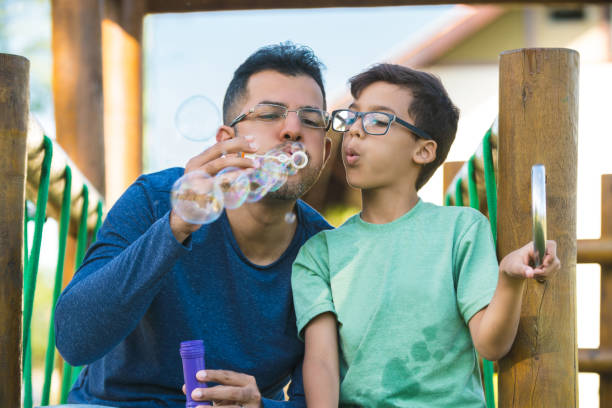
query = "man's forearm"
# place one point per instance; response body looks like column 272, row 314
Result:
column 108, row 298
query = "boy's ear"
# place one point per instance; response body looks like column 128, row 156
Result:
column 328, row 148
column 425, row 152
column 225, row 133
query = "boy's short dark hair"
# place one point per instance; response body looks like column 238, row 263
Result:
column 431, row 108
column 286, row 58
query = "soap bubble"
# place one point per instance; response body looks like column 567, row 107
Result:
column 234, row 184
column 299, row 159
column 276, row 172
column 292, row 155
column 197, row 118
column 260, row 181
column 196, row 198
column 290, row 217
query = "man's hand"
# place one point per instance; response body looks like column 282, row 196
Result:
column 234, row 390
column 519, row 264
column 212, row 160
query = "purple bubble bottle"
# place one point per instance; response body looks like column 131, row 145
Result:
column 192, row 354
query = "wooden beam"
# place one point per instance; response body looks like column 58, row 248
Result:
column 77, row 85
column 595, row 251
column 595, row 361
column 14, row 107
column 178, row 6
column 605, row 325
column 122, row 70
column 538, row 123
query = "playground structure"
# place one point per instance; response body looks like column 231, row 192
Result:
column 542, row 367
column 547, row 329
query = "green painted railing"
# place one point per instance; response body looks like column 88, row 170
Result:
column 85, row 236
column 482, row 161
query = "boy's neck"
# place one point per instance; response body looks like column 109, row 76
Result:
column 383, row 205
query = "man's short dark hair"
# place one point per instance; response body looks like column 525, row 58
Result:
column 286, row 58
column 431, row 108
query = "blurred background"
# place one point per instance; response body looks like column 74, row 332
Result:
column 187, row 54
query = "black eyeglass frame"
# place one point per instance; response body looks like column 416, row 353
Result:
column 392, row 118
column 326, row 116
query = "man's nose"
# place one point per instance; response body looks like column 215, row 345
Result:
column 292, row 127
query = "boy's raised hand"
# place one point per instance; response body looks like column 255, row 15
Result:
column 519, row 264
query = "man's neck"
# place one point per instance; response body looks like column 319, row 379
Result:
column 261, row 229
column 385, row 204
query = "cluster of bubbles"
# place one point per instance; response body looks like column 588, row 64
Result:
column 199, row 198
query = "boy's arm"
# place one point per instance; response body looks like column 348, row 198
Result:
column 321, row 372
column 494, row 328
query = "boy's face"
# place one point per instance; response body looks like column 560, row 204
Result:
column 393, row 159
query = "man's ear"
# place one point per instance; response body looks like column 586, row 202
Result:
column 425, row 152
column 225, row 133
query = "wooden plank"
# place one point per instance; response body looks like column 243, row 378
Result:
column 122, row 71
column 14, row 106
column 538, row 122
column 605, row 319
column 177, row 6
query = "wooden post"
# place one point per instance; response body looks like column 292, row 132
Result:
column 77, row 93
column 77, row 85
column 449, row 171
column 14, row 108
column 122, row 70
column 538, row 123
column 605, row 328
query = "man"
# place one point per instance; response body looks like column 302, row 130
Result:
column 152, row 280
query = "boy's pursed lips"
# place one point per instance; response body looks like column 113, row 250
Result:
column 351, row 156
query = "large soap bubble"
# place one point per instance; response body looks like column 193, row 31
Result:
column 197, row 118
column 196, row 198
column 234, row 184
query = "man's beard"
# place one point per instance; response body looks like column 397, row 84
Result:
column 294, row 189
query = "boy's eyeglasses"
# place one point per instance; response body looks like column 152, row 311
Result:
column 272, row 113
column 373, row 123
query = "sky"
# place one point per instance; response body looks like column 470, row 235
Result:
column 190, row 54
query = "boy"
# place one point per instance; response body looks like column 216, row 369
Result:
column 406, row 289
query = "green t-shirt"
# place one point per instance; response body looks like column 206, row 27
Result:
column 402, row 293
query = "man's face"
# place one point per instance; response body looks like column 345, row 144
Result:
column 378, row 161
column 293, row 92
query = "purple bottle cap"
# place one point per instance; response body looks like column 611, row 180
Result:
column 192, row 354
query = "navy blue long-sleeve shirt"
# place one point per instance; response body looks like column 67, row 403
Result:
column 140, row 292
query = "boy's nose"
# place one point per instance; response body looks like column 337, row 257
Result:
column 356, row 129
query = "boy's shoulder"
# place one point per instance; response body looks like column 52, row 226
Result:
column 457, row 213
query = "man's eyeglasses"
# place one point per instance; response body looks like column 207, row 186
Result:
column 268, row 112
column 373, row 123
